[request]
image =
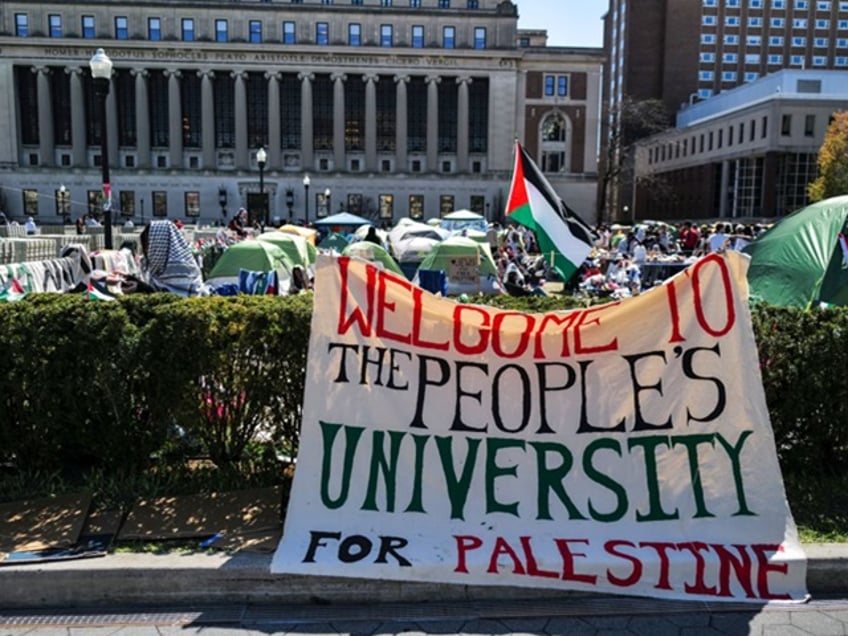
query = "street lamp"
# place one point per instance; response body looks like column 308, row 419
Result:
column 306, row 182
column 327, row 207
column 290, row 201
column 261, row 156
column 222, row 201
column 62, row 201
column 101, row 72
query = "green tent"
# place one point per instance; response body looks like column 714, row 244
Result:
column 372, row 252
column 452, row 256
column 295, row 247
column 799, row 261
column 334, row 241
column 252, row 255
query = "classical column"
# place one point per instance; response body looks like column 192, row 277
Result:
column 142, row 118
column 207, row 119
column 274, row 155
column 371, row 121
column 112, row 124
column 242, row 155
column 338, row 120
column 46, row 138
column 306, row 142
column 175, row 120
column 433, row 122
column 78, row 136
column 401, row 122
column 462, row 124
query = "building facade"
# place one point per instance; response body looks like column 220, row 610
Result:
column 747, row 153
column 684, row 51
column 392, row 108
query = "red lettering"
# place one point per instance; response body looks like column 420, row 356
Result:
column 568, row 321
column 417, row 319
column 384, row 307
column 483, row 330
column 741, row 568
column 612, row 548
column 765, row 566
column 532, row 565
column 356, row 315
column 568, row 573
column 464, row 543
column 671, row 291
column 660, row 548
column 502, row 548
column 579, row 348
column 699, row 586
column 525, row 333
column 728, row 295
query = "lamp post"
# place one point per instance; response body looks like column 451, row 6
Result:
column 306, row 182
column 222, row 201
column 327, row 207
column 290, row 202
column 261, row 157
column 101, row 72
column 63, row 202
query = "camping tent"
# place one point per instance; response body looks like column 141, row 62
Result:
column 306, row 232
column 333, row 241
column 375, row 253
column 463, row 219
column 296, row 247
column 343, row 219
column 252, row 255
column 468, row 265
column 799, row 262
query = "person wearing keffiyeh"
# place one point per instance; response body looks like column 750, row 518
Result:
column 170, row 265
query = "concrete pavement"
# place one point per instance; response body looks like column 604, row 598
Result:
column 214, row 578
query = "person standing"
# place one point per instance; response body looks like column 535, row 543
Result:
column 30, row 227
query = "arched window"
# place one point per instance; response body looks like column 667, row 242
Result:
column 555, row 135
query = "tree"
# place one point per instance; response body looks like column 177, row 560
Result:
column 627, row 123
column 832, row 161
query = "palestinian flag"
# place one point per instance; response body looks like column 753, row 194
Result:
column 564, row 239
column 12, row 292
column 97, row 291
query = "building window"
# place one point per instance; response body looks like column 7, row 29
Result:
column 187, row 29
column 776, row 40
column 127, row 203
column 728, row 76
column 554, row 148
column 752, row 133
column 222, row 31
column 30, row 202
column 449, row 37
column 354, row 34
column 445, row 204
column 88, row 27
column 706, row 76
column 809, row 125
column 160, row 204
column 707, row 57
column 709, row 20
column 731, row 21
column 55, row 22
column 385, row 3
column 479, row 37
column 841, row 61
column 322, row 33
column 192, row 204
column 386, row 38
column 556, row 85
column 842, row 25
column 751, row 76
column 819, row 60
column 121, row 28
column 823, row 24
column 710, row 3
column 802, row 4
column 786, row 125
column 415, row 4
column 417, row 36
column 764, row 127
column 416, row 206
column 799, row 42
column 729, row 58
column 823, row 6
column 255, row 28
column 21, row 25
column 754, row 40
column 796, row 60
column 777, row 23
column 799, row 23
column 478, row 115
column 154, row 29
column 386, row 206
column 820, row 43
column 778, row 4
column 448, row 119
column 357, row 3
column 444, row 4
column 288, row 33
column 755, row 23
column 732, row 3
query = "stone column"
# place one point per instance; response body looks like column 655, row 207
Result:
column 306, row 141
column 78, row 137
column 207, row 119
column 371, row 121
column 433, row 122
column 274, row 154
column 175, row 120
column 112, row 125
column 338, row 120
column 142, row 118
column 46, row 137
column 724, row 184
column 242, row 155
column 462, row 124
column 401, row 122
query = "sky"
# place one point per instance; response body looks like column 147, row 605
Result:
column 568, row 22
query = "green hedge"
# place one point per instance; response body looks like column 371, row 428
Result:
column 107, row 384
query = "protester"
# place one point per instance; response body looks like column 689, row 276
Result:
column 30, row 227
column 238, row 223
column 170, row 265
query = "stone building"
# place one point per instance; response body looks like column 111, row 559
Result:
column 391, row 108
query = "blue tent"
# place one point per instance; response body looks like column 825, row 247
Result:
column 343, row 219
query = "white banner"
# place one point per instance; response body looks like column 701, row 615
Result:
column 624, row 448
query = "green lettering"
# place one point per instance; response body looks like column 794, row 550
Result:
column 493, row 471
column 733, row 453
column 605, row 480
column 380, row 464
column 550, row 479
column 457, row 487
column 691, row 442
column 649, row 446
column 415, row 501
column 328, row 435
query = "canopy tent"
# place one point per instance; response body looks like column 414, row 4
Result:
column 253, row 255
column 334, row 241
column 343, row 219
column 464, row 219
column 799, row 262
column 296, row 247
column 369, row 251
column 468, row 265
